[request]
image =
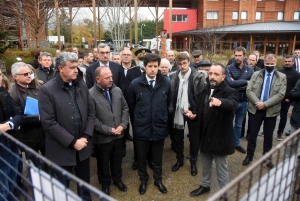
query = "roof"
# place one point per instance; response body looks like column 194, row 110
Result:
column 261, row 27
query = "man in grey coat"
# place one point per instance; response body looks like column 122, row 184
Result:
column 112, row 115
column 67, row 115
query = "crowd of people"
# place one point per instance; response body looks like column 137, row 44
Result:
column 88, row 100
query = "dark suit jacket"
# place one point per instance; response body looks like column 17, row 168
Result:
column 260, row 63
column 117, row 72
column 295, row 63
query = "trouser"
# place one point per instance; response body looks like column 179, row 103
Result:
column 221, row 169
column 156, row 148
column 82, row 171
column 293, row 146
column 268, row 128
column 193, row 138
column 240, row 114
column 126, row 133
column 171, row 130
column 109, row 161
column 283, row 115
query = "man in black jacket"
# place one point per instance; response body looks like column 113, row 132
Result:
column 292, row 77
column 217, row 104
column 46, row 71
column 148, row 99
column 103, row 60
column 67, row 115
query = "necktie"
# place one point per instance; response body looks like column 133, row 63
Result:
column 297, row 64
column 267, row 88
column 108, row 97
column 151, row 84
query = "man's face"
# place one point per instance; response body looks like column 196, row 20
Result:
column 198, row 58
column 23, row 76
column 69, row 72
column 75, row 50
column 151, row 69
column 95, row 53
column 184, row 66
column 89, row 58
column 164, row 68
column 126, row 56
column 57, row 52
column 239, row 57
column 104, row 54
column 46, row 61
column 216, row 76
column 288, row 62
column 170, row 56
column 104, row 80
column 116, row 58
column 80, row 60
column 297, row 53
column 252, row 61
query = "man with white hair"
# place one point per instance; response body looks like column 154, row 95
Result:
column 164, row 68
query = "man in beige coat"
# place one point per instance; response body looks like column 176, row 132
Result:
column 265, row 91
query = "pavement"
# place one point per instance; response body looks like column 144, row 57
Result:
column 179, row 184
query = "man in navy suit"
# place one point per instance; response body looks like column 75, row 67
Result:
column 297, row 60
column 103, row 60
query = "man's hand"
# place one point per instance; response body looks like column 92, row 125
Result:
column 4, row 127
column 287, row 100
column 80, row 144
column 189, row 114
column 260, row 106
column 214, row 102
column 119, row 130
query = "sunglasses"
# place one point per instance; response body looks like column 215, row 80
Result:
column 25, row 74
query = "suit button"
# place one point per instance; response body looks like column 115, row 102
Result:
column 72, row 117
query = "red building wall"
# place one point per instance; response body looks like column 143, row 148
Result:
column 191, row 23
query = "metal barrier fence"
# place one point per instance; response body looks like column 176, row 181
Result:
column 258, row 182
column 41, row 179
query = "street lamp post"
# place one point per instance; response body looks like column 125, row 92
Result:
column 142, row 31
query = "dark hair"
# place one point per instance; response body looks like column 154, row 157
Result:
column 37, row 54
column 150, row 57
column 240, row 49
column 85, row 53
column 288, row 56
column 219, row 64
column 182, row 56
column 80, row 55
column 253, row 55
column 155, row 51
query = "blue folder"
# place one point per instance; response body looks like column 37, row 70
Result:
column 31, row 106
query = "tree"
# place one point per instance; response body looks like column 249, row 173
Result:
column 64, row 23
column 4, row 35
column 80, row 31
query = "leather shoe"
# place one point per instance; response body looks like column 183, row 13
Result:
column 134, row 165
column 161, row 187
column 201, row 190
column 121, row 186
column 142, row 188
column 240, row 149
column 177, row 166
column 105, row 189
column 247, row 160
column 270, row 165
column 129, row 137
column 223, row 198
column 194, row 170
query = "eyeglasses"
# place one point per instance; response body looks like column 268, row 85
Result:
column 25, row 74
column 197, row 56
column 126, row 55
column 103, row 53
column 183, row 64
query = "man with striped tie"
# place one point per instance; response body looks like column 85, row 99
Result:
column 265, row 91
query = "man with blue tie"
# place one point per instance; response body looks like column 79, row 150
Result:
column 297, row 60
column 265, row 91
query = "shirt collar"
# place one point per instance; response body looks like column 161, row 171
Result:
column 148, row 79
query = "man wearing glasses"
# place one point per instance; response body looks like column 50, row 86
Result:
column 186, row 84
column 103, row 60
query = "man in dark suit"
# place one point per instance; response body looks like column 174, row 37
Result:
column 297, row 60
column 103, row 58
column 171, row 58
column 67, row 116
column 259, row 62
column 216, row 106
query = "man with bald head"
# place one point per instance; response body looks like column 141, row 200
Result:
column 265, row 91
column 109, row 129
column 171, row 58
column 252, row 61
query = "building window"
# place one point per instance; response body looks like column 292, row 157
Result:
column 212, row 15
column 258, row 16
column 280, row 16
column 235, row 15
column 297, row 15
column 179, row 18
column 244, row 15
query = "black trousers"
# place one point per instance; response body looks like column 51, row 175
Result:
column 82, row 170
column 193, row 138
column 283, row 115
column 156, row 148
column 126, row 133
column 171, row 129
column 109, row 161
column 256, row 120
